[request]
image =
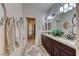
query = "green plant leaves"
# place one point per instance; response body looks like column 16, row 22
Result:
column 57, row 32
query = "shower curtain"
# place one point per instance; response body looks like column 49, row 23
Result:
column 21, row 30
column 14, row 32
column 9, row 44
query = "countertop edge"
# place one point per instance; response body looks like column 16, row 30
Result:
column 63, row 41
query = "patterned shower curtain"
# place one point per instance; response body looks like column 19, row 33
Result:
column 9, row 44
column 15, row 34
column 21, row 30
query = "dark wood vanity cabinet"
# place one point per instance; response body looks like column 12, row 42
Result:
column 55, row 48
column 46, row 44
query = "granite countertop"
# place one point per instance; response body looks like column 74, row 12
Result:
column 70, row 43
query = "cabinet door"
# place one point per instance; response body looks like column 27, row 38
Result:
column 43, row 40
column 48, row 45
column 48, row 48
column 63, row 54
column 56, row 48
column 52, row 50
column 67, row 52
column 56, row 51
column 64, row 50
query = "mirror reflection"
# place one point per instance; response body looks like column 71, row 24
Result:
column 64, row 22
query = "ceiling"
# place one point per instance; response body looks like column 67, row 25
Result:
column 39, row 6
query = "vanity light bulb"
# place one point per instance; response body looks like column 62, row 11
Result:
column 71, row 4
column 74, row 5
column 61, row 9
column 65, row 11
column 66, row 7
column 52, row 17
column 70, row 8
column 48, row 17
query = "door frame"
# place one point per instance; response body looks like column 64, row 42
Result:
column 27, row 18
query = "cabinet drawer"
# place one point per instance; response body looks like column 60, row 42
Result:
column 64, row 48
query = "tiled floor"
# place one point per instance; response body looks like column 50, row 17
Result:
column 32, row 50
column 30, row 42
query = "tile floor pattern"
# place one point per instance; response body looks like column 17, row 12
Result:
column 32, row 50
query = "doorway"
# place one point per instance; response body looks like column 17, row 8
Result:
column 31, row 26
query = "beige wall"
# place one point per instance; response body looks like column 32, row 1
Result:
column 77, row 19
column 14, row 9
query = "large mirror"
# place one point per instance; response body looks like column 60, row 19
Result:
column 66, row 21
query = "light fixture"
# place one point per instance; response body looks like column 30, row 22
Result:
column 65, row 11
column 72, row 4
column 66, row 6
column 61, row 9
column 70, row 8
column 50, row 17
